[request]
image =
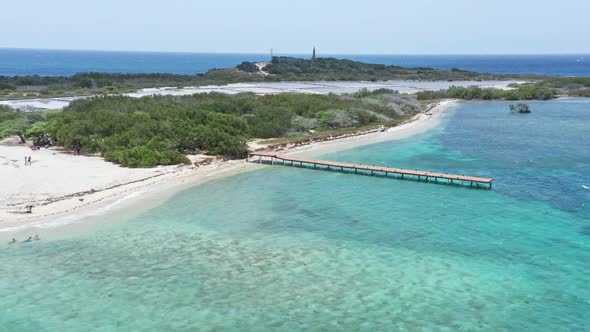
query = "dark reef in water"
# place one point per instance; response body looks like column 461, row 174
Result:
column 585, row 230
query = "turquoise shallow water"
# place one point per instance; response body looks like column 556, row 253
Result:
column 296, row 249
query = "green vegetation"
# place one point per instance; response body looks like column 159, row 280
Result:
column 330, row 69
column 570, row 86
column 520, row 108
column 90, row 83
column 143, row 156
column 160, row 130
column 579, row 93
column 565, row 82
column 14, row 123
column 520, row 92
column 147, row 131
column 286, row 69
column 249, row 67
column 279, row 69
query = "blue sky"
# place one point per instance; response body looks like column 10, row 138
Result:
column 369, row 26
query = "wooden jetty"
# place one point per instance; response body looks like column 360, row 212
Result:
column 273, row 158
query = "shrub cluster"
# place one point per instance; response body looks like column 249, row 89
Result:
column 142, row 156
column 160, row 130
column 522, row 92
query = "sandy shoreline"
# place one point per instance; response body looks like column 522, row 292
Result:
column 66, row 188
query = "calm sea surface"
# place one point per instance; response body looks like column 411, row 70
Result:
column 56, row 63
column 289, row 249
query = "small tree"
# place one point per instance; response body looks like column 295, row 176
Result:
column 520, row 108
column 249, row 67
column 16, row 127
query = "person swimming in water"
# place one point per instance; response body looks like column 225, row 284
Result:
column 30, row 239
column 12, row 241
column 37, row 238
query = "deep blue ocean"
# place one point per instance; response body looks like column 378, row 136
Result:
column 60, row 63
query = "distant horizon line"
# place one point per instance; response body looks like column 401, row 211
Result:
column 287, row 53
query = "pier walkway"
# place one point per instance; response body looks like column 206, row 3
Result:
column 273, row 158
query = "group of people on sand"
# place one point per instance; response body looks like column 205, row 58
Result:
column 41, row 141
column 29, row 239
column 28, row 160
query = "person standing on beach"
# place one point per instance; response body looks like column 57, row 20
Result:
column 29, row 160
column 26, row 161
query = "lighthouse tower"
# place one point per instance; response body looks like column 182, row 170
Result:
column 313, row 57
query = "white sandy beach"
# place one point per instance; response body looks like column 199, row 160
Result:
column 60, row 185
